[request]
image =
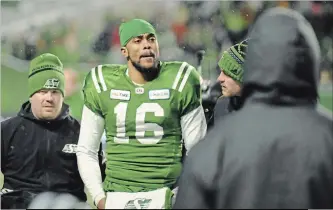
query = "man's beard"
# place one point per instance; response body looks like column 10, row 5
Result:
column 148, row 74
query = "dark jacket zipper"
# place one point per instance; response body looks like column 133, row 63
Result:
column 46, row 162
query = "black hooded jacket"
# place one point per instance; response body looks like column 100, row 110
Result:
column 38, row 156
column 277, row 150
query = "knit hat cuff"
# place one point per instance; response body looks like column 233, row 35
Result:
column 46, row 79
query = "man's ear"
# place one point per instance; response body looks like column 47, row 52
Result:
column 124, row 52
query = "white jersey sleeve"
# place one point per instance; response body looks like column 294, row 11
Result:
column 92, row 127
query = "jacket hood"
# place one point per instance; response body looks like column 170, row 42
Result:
column 282, row 60
column 27, row 113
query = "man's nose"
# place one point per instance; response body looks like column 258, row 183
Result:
column 146, row 44
column 49, row 96
column 221, row 77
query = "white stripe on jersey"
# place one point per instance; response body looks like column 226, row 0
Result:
column 93, row 76
column 101, row 78
column 180, row 71
column 187, row 74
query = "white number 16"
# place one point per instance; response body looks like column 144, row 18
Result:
column 140, row 126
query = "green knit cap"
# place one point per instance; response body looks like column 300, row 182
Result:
column 231, row 62
column 46, row 72
column 134, row 28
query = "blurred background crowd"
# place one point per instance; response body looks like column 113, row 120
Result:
column 85, row 33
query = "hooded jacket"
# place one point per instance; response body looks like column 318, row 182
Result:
column 277, row 150
column 39, row 156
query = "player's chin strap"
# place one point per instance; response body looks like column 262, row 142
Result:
column 132, row 80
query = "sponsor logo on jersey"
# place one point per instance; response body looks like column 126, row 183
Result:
column 70, row 148
column 120, row 94
column 139, row 90
column 159, row 94
column 138, row 203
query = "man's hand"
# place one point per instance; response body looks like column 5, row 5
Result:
column 101, row 204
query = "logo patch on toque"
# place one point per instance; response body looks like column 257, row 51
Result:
column 235, row 71
column 52, row 83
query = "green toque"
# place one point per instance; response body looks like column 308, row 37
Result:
column 231, row 62
column 46, row 72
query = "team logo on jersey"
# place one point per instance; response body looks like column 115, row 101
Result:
column 120, row 94
column 70, row 148
column 5, row 190
column 139, row 90
column 159, row 94
column 138, row 203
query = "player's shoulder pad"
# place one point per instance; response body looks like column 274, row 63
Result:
column 94, row 80
column 184, row 75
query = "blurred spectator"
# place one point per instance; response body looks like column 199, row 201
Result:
column 178, row 26
column 73, row 95
column 105, row 39
column 30, row 43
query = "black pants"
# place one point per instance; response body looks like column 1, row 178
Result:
column 17, row 199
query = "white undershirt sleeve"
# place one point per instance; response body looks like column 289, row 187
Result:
column 92, row 127
column 194, row 127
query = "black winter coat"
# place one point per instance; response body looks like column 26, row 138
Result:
column 39, row 156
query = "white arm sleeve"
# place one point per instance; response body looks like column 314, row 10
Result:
column 92, row 127
column 194, row 127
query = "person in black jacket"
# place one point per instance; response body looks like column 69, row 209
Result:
column 38, row 146
column 230, row 78
column 277, row 150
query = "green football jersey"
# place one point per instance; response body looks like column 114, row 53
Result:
column 142, row 123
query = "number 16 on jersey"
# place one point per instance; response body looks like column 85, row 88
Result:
column 140, row 125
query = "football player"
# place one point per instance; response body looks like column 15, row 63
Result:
column 149, row 110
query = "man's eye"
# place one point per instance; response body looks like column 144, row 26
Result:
column 137, row 40
column 152, row 39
